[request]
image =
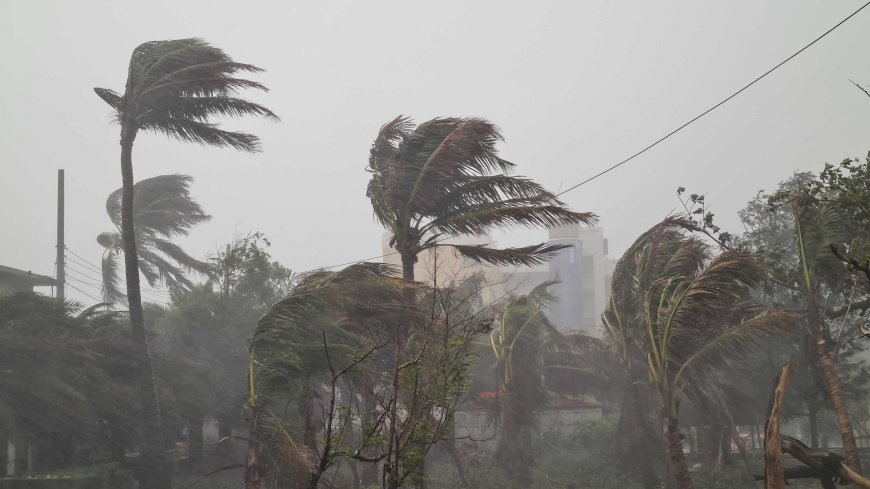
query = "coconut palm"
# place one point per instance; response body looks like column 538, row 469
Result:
column 173, row 87
column 330, row 318
column 162, row 209
column 690, row 316
column 818, row 227
column 443, row 179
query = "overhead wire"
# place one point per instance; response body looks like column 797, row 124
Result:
column 714, row 107
column 661, row 139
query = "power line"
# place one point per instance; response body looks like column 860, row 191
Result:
column 96, row 267
column 711, row 109
column 660, row 140
column 83, row 292
column 83, row 272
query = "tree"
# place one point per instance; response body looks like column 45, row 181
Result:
column 518, row 347
column 443, row 179
column 203, row 336
column 58, row 389
column 162, row 210
column 173, row 87
column 327, row 330
column 691, row 316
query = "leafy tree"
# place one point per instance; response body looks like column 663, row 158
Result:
column 328, row 329
column 444, row 178
column 202, row 337
column 174, row 87
column 162, row 210
column 690, row 314
column 57, row 388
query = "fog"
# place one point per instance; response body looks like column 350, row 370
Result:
column 317, row 333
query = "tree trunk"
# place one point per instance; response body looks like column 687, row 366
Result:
column 774, row 477
column 814, row 427
column 154, row 471
column 832, row 384
column 675, row 453
column 194, row 429
column 850, row 448
column 408, row 261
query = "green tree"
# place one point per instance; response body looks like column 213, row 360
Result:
column 518, row 344
column 173, row 87
column 326, row 331
column 691, row 316
column 444, row 178
column 58, row 390
column 203, row 336
column 162, row 209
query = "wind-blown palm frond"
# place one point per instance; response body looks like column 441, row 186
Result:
column 163, row 208
column 686, row 316
column 444, row 178
column 523, row 256
column 347, row 313
column 177, row 86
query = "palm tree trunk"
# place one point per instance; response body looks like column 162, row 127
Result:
column 832, row 384
column 675, row 452
column 850, row 448
column 408, row 261
column 154, row 473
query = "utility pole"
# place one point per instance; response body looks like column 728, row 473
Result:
column 59, row 262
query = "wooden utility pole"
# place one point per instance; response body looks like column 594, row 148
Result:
column 59, row 262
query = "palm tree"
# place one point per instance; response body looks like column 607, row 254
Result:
column 162, row 209
column 518, row 344
column 329, row 319
column 689, row 314
column 173, row 87
column 443, row 179
column 818, row 227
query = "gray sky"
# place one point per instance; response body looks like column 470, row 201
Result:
column 574, row 86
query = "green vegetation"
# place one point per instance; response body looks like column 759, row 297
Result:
column 357, row 377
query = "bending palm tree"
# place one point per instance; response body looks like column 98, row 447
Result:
column 817, row 228
column 444, row 178
column 690, row 315
column 173, row 87
column 162, row 209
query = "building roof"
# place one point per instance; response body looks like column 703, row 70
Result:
column 32, row 278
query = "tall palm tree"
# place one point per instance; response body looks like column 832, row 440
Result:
column 162, row 209
column 173, row 87
column 690, row 315
column 443, row 179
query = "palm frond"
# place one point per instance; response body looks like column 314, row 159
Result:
column 193, row 131
column 111, row 286
column 521, row 256
column 727, row 350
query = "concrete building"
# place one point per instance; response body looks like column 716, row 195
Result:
column 582, row 273
column 13, row 280
column 443, row 265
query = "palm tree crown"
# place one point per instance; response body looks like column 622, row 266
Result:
column 444, row 178
column 174, row 87
column 162, row 209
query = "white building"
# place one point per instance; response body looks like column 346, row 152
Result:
column 582, row 273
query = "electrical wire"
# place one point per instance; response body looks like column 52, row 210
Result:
column 661, row 139
column 711, row 109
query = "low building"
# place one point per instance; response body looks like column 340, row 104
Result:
column 475, row 425
column 13, row 280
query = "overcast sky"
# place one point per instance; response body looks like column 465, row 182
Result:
column 574, row 86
